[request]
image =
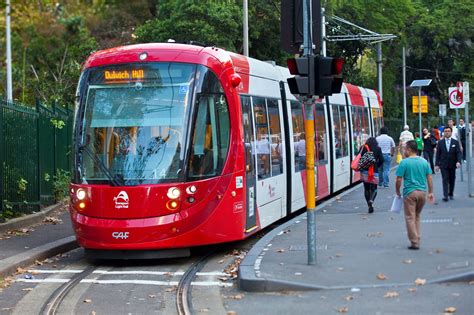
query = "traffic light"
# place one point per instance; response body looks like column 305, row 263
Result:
column 303, row 82
column 329, row 75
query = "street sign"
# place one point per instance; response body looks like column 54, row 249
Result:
column 424, row 104
column 453, row 101
column 466, row 91
column 442, row 110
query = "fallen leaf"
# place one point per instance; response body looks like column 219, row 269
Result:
column 170, row 289
column 381, row 276
column 93, row 313
column 203, row 310
column 339, row 255
column 87, row 301
column 438, row 251
column 27, row 289
column 412, row 289
column 420, row 281
column 340, row 269
column 152, row 296
column 220, row 261
column 231, row 313
column 349, row 298
column 281, row 250
column 343, row 309
column 408, row 261
column 391, row 294
column 456, row 294
column 450, row 310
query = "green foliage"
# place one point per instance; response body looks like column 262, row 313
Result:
column 22, row 186
column 61, row 184
column 58, row 123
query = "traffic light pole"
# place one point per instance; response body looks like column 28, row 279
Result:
column 309, row 134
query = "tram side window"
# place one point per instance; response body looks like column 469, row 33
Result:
column 321, row 135
column 376, row 114
column 299, row 142
column 341, row 132
column 263, row 143
column 275, row 137
column 360, row 127
column 210, row 137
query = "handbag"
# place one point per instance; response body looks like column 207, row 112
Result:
column 355, row 162
column 367, row 160
column 364, row 176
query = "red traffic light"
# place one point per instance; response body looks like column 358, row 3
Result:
column 337, row 65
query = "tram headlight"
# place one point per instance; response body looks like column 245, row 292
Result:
column 173, row 193
column 191, row 189
column 81, row 194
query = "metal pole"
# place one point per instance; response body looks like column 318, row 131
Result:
column 404, row 88
column 379, row 69
column 323, row 32
column 419, row 109
column 246, row 28
column 459, row 139
column 468, row 149
column 9, row 53
column 309, row 132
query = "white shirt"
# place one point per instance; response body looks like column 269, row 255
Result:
column 386, row 143
column 454, row 134
column 406, row 136
column 301, row 148
column 448, row 143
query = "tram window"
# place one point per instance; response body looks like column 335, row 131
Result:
column 263, row 142
column 376, row 114
column 299, row 142
column 341, row 135
column 210, row 137
column 360, row 124
column 275, row 137
column 321, row 135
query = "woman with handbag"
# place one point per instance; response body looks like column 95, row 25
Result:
column 369, row 163
column 429, row 142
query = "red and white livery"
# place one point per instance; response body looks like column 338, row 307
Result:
column 180, row 145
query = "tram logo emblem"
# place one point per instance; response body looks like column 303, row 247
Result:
column 121, row 200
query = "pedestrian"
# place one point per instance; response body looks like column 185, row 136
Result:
column 300, row 151
column 370, row 175
column 387, row 146
column 462, row 137
column 415, row 173
column 429, row 144
column 454, row 133
column 405, row 136
column 448, row 158
column 435, row 132
column 419, row 143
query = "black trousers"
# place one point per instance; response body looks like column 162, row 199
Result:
column 428, row 155
column 449, row 177
column 370, row 192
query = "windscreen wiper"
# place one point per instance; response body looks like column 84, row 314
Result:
column 102, row 166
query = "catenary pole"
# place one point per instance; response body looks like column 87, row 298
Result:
column 468, row 148
column 379, row 69
column 323, row 32
column 9, row 52
column 419, row 109
column 246, row 28
column 459, row 139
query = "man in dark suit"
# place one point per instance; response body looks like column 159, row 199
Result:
column 448, row 158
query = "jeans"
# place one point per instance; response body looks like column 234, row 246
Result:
column 384, row 170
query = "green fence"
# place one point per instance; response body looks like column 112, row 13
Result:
column 34, row 144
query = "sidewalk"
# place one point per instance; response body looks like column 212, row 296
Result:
column 35, row 237
column 360, row 250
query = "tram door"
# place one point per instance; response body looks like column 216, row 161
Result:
column 249, row 140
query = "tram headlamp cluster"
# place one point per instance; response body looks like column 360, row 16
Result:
column 81, row 194
column 172, row 205
column 191, row 189
column 173, row 193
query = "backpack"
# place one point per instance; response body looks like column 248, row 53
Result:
column 367, row 159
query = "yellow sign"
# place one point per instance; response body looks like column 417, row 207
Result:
column 424, row 104
column 124, row 75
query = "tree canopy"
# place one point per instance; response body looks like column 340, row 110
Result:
column 50, row 40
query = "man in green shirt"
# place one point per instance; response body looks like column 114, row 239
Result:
column 415, row 172
column 419, row 143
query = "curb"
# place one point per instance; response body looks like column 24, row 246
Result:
column 9, row 265
column 30, row 219
column 250, row 267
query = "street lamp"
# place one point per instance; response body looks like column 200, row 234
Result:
column 419, row 84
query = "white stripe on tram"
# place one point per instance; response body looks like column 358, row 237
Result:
column 144, row 282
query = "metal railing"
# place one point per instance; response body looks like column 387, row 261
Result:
column 35, row 142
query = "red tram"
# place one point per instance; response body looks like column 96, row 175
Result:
column 179, row 145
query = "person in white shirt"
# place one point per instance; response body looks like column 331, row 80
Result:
column 454, row 135
column 387, row 145
column 405, row 136
column 300, row 151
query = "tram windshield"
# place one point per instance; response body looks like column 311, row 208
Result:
column 133, row 125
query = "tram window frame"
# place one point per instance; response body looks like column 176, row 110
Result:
column 340, row 138
column 297, row 119
column 321, row 135
column 360, row 126
column 207, row 156
column 276, row 145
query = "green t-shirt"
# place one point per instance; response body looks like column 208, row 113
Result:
column 413, row 170
column 419, row 143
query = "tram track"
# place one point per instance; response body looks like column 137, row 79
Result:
column 53, row 303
